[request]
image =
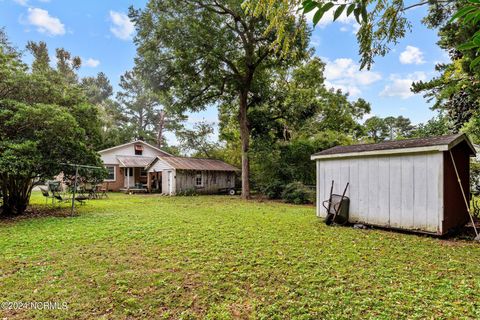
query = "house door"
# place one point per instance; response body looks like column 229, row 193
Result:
column 170, row 182
column 129, row 180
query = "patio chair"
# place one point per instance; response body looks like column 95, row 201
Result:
column 47, row 195
column 81, row 198
column 60, row 197
column 102, row 190
column 90, row 190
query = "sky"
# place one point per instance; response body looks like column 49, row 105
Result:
column 101, row 34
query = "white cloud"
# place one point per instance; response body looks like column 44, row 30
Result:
column 44, row 22
column 412, row 55
column 22, row 2
column 122, row 27
column 400, row 87
column 345, row 74
column 93, row 63
column 368, row 116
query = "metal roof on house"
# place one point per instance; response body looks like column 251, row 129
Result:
column 440, row 143
column 182, row 163
column 134, row 161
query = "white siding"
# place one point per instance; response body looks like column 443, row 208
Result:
column 400, row 191
column 159, row 166
column 110, row 156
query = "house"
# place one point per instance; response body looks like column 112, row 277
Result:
column 408, row 184
column 140, row 166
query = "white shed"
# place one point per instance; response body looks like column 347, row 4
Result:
column 407, row 184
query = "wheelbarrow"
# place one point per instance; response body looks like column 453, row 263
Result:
column 337, row 207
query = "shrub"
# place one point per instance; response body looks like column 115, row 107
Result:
column 273, row 189
column 297, row 193
column 188, row 192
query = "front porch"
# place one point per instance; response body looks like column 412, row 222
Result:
column 134, row 180
column 138, row 180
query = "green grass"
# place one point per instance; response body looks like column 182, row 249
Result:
column 221, row 258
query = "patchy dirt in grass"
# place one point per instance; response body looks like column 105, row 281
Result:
column 37, row 211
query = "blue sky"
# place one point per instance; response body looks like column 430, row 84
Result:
column 100, row 33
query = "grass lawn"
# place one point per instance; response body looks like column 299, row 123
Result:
column 219, row 257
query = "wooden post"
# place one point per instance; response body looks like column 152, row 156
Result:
column 149, row 182
column 74, row 190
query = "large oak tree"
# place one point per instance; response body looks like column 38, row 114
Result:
column 209, row 52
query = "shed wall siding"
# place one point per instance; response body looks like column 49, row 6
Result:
column 399, row 191
column 185, row 179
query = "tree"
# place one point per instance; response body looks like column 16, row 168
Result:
column 437, row 126
column 456, row 90
column 97, row 89
column 148, row 113
column 382, row 22
column 198, row 140
column 34, row 142
column 44, row 120
column 398, row 127
column 295, row 116
column 209, row 52
column 376, row 128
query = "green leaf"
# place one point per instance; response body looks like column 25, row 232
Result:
column 350, row 9
column 471, row 16
column 475, row 62
column 327, row 6
column 356, row 13
column 364, row 14
column 467, row 46
column 318, row 15
column 309, row 6
column 338, row 11
column 462, row 12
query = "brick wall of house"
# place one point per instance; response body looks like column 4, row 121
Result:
column 119, row 178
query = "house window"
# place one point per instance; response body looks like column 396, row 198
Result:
column 143, row 173
column 111, row 173
column 214, row 178
column 138, row 149
column 199, row 179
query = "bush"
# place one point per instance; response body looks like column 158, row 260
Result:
column 188, row 192
column 273, row 189
column 297, row 193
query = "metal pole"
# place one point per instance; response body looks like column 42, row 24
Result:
column 74, row 190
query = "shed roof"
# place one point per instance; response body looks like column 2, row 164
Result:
column 183, row 163
column 440, row 143
column 134, row 161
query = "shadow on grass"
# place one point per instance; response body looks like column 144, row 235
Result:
column 38, row 211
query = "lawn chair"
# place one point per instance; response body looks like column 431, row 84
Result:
column 337, row 207
column 90, row 190
column 102, row 190
column 47, row 195
column 62, row 198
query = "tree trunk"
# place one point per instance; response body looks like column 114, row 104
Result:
column 245, row 139
column 16, row 195
column 161, row 125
